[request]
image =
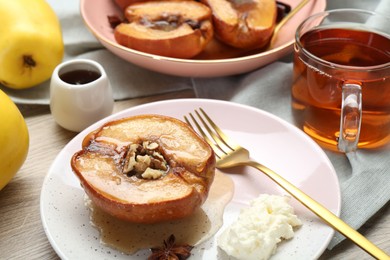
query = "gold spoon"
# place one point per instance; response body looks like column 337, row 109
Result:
column 284, row 20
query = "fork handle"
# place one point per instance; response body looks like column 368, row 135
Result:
column 322, row 212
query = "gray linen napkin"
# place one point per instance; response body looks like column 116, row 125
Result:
column 364, row 176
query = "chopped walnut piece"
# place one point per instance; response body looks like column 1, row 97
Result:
column 150, row 173
column 130, row 159
column 159, row 164
column 150, row 146
column 144, row 161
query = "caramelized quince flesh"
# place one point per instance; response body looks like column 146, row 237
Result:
column 180, row 186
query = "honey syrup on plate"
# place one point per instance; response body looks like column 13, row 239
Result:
column 200, row 226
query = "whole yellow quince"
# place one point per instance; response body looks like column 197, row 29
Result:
column 14, row 139
column 31, row 44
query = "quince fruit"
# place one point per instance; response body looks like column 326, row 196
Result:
column 243, row 23
column 14, row 139
column 31, row 43
column 178, row 29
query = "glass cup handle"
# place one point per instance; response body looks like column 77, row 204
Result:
column 351, row 117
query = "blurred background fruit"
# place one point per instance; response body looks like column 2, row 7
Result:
column 31, row 44
column 14, row 139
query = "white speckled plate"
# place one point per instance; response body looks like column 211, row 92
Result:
column 274, row 142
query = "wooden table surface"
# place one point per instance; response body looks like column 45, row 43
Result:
column 21, row 232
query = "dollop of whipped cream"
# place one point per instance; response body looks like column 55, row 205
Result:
column 259, row 228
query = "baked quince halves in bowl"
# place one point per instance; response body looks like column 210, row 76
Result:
column 218, row 58
column 145, row 169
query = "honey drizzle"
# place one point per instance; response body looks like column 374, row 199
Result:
column 203, row 224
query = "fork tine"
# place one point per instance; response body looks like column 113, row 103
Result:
column 215, row 148
column 222, row 144
column 200, row 130
column 214, row 135
column 225, row 139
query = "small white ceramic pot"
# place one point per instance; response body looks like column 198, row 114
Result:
column 80, row 94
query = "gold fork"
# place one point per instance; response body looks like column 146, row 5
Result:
column 230, row 154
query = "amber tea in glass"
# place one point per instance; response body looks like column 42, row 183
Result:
column 341, row 79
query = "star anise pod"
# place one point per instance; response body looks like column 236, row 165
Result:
column 171, row 251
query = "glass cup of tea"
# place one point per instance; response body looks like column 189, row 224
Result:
column 341, row 79
column 80, row 94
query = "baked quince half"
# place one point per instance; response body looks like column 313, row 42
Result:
column 145, row 169
column 178, row 29
column 243, row 23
